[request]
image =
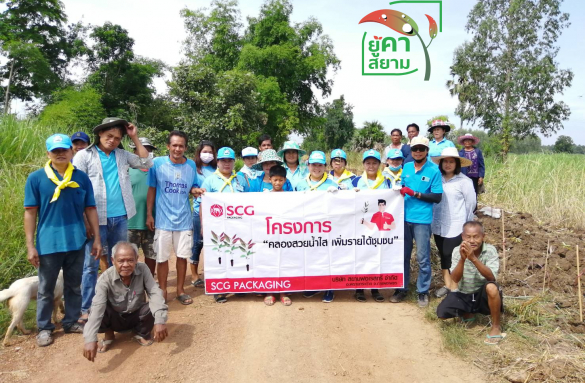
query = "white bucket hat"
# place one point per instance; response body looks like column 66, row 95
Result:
column 451, row 153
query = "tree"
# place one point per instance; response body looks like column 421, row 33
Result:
column 564, row 144
column 506, row 77
column 74, row 108
column 37, row 48
column 372, row 135
column 335, row 131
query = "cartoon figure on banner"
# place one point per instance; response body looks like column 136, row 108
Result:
column 224, row 241
column 380, row 220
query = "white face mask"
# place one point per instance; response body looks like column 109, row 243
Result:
column 206, row 157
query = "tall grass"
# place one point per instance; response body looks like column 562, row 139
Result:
column 551, row 187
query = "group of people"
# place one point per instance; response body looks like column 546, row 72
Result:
column 96, row 202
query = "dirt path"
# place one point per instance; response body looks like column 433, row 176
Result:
column 246, row 341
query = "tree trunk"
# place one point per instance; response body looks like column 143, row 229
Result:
column 7, row 95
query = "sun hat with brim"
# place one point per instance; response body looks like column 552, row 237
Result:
column 58, row 141
column 267, row 155
column 291, row 145
column 419, row 140
column 338, row 153
column 371, row 154
column 440, row 124
column 109, row 122
column 144, row 141
column 226, row 153
column 451, row 153
column 468, row 136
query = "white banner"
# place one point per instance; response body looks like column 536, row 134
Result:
column 299, row 241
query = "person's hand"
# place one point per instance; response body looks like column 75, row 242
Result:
column 362, row 221
column 480, row 181
column 406, row 190
column 90, row 351
column 202, row 191
column 396, row 187
column 88, row 232
column 356, row 189
column 332, row 189
column 465, row 250
column 196, row 192
column 471, row 256
column 150, row 222
column 33, row 256
column 131, row 130
column 96, row 249
column 160, row 332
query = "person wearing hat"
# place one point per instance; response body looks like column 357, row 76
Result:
column 393, row 170
column 341, row 176
column 295, row 170
column 475, row 171
column 267, row 159
column 170, row 181
column 421, row 188
column 439, row 129
column 224, row 180
column 317, row 180
column 107, row 163
column 59, row 195
column 372, row 179
column 456, row 208
column 138, row 233
column 80, row 141
column 250, row 157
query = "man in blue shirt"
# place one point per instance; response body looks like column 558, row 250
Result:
column 422, row 187
column 171, row 180
column 59, row 195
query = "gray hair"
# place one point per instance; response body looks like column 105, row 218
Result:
column 474, row 224
column 124, row 244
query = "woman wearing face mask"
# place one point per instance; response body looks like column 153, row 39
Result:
column 393, row 170
column 206, row 164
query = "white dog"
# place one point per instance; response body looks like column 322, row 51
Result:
column 19, row 295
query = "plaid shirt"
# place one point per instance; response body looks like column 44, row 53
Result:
column 88, row 161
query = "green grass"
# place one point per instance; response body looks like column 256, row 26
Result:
column 30, row 318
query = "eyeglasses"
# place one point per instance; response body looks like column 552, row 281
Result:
column 418, row 148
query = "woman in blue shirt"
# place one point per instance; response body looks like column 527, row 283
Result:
column 295, row 170
column 439, row 129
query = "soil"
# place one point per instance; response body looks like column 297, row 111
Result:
column 244, row 340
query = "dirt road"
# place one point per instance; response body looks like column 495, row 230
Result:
column 246, row 341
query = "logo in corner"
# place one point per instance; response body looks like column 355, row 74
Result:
column 216, row 210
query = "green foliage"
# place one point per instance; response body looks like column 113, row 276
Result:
column 337, row 128
column 564, row 144
column 506, row 77
column 372, row 135
column 77, row 109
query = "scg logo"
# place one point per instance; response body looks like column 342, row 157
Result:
column 216, row 210
column 240, row 210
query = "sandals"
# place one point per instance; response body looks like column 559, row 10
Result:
column 492, row 340
column 377, row 296
column 360, row 296
column 184, row 299
column 269, row 300
column 198, row 283
column 220, row 298
column 139, row 339
column 286, row 301
column 104, row 344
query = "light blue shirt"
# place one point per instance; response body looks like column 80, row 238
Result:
column 114, row 201
column 435, row 148
column 299, row 175
column 214, row 184
column 173, row 182
column 426, row 180
column 304, row 185
column 362, row 183
column 207, row 171
column 346, row 184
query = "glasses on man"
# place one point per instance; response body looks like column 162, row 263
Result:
column 418, row 148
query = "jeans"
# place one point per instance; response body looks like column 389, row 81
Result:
column 197, row 239
column 115, row 231
column 421, row 233
column 50, row 265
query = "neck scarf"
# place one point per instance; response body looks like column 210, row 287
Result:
column 394, row 178
column 66, row 182
column 313, row 187
column 226, row 181
column 379, row 180
column 344, row 176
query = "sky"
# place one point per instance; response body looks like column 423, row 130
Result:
column 395, row 101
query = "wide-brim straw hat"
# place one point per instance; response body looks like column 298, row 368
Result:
column 108, row 122
column 267, row 156
column 468, row 136
column 451, row 153
column 440, row 124
column 291, row 145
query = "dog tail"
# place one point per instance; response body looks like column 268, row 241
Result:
column 6, row 294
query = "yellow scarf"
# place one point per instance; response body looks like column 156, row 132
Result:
column 313, row 187
column 379, row 180
column 65, row 183
column 226, row 181
column 394, row 178
column 344, row 176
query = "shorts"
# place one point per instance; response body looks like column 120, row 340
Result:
column 446, row 247
column 143, row 239
column 457, row 303
column 165, row 242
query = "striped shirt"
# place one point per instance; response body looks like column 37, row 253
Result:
column 472, row 280
column 88, row 161
column 173, row 183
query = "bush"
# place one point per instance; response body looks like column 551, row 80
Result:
column 74, row 109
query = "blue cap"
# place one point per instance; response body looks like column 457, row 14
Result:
column 395, row 153
column 371, row 154
column 80, row 136
column 317, row 157
column 58, row 141
column 226, row 153
column 338, row 153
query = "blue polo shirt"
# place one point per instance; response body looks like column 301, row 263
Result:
column 173, row 183
column 435, row 148
column 258, row 184
column 206, row 171
column 303, row 185
column 114, row 200
column 60, row 225
column 298, row 175
column 426, row 180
